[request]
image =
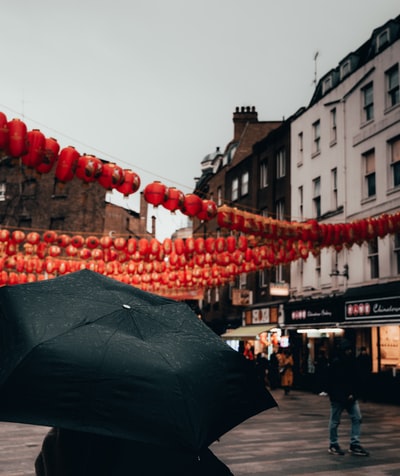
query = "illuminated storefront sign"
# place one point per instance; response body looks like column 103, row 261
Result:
column 378, row 308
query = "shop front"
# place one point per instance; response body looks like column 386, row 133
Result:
column 373, row 313
column 261, row 329
column 313, row 327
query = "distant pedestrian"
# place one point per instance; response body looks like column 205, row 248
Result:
column 342, row 390
column 286, row 370
column 273, row 370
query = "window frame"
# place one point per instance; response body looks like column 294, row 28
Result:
column 264, row 174
column 373, row 257
column 235, row 189
column 317, row 196
column 244, row 183
column 392, row 86
column 367, row 93
column 280, row 158
column 395, row 161
column 369, row 166
column 316, row 137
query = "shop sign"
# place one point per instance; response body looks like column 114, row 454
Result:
column 279, row 289
column 313, row 312
column 260, row 316
column 242, row 297
column 379, row 308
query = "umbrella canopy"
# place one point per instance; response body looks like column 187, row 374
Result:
column 86, row 352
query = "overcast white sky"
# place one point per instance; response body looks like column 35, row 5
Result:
column 152, row 84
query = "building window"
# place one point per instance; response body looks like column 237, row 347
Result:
column 263, row 278
column 263, row 174
column 242, row 281
column 382, row 39
column 301, row 202
column 280, row 210
column 395, row 161
column 345, row 69
column 280, row 163
column 333, row 126
column 334, row 189
column 235, row 189
column 368, row 102
column 3, row 188
column 369, row 174
column 57, row 223
column 373, row 258
column 317, row 137
column 392, row 82
column 317, row 197
column 396, row 250
column 300, row 140
column 244, row 184
column 25, row 222
column 29, row 188
column 219, row 196
column 327, row 84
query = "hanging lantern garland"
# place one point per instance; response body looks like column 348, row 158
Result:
column 180, row 267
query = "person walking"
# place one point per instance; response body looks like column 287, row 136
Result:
column 286, row 370
column 342, row 393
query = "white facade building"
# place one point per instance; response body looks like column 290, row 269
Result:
column 345, row 167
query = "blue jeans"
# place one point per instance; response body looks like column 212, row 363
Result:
column 334, row 421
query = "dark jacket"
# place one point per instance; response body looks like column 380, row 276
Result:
column 342, row 379
column 73, row 453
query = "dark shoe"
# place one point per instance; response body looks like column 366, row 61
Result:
column 358, row 450
column 336, row 450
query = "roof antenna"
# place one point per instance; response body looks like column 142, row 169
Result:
column 315, row 67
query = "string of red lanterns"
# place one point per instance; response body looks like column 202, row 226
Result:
column 181, row 266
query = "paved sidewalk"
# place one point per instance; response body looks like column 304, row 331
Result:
column 289, row 440
column 293, row 439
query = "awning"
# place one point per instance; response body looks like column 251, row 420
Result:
column 247, row 332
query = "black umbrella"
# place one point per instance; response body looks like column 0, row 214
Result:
column 88, row 353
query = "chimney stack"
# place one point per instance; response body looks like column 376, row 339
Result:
column 241, row 117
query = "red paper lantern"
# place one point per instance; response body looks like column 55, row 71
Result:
column 143, row 247
column 92, row 242
column 18, row 236
column 179, row 246
column 106, row 242
column 208, row 210
column 66, row 164
column 199, row 245
column 77, row 241
column 63, row 240
column 88, row 168
column 210, row 244
column 174, row 199
column 17, row 138
column 4, row 235
column 3, row 131
column 34, row 155
column 54, row 251
column 33, row 238
column 192, row 205
column 111, row 176
column 167, row 246
column 119, row 243
column 155, row 193
column 231, row 244
column 131, row 246
column 130, row 184
column 51, row 149
column 49, row 236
